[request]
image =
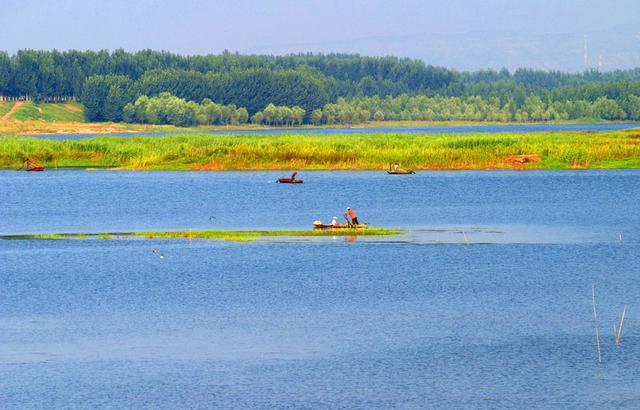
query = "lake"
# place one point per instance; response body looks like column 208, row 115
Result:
column 483, row 302
column 449, row 129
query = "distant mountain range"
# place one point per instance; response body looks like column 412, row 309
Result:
column 607, row 49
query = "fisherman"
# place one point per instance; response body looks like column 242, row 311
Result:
column 352, row 215
column 26, row 164
column 396, row 167
column 334, row 221
column 293, row 176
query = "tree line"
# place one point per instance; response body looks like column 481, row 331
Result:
column 43, row 75
column 474, row 108
column 332, row 88
column 169, row 109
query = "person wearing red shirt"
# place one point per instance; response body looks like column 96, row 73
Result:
column 352, row 215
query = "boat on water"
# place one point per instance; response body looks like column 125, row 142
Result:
column 28, row 165
column 401, row 172
column 320, row 225
column 291, row 180
column 396, row 170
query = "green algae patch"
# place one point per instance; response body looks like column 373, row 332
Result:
column 247, row 235
column 49, row 236
column 234, row 236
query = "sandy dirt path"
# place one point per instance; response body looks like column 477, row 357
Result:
column 5, row 118
column 72, row 108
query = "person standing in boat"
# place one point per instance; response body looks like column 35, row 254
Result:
column 396, row 167
column 334, row 221
column 352, row 215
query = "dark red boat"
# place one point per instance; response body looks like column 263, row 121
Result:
column 28, row 165
column 291, row 180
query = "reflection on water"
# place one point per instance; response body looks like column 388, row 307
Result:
column 499, row 234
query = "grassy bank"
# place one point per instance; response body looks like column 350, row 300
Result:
column 5, row 107
column 207, row 234
column 49, row 112
column 559, row 150
column 26, row 111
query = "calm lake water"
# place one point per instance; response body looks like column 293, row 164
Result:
column 485, row 302
column 454, row 129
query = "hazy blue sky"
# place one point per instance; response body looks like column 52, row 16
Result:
column 462, row 34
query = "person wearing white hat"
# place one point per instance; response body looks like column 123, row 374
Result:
column 334, row 221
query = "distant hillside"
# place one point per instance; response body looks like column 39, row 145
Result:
column 48, row 112
column 5, row 107
column 608, row 49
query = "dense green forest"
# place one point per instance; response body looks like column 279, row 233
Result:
column 334, row 88
column 423, row 108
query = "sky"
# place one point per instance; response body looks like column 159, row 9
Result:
column 460, row 34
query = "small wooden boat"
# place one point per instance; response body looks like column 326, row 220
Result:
column 401, row 172
column 291, row 180
column 35, row 169
column 320, row 225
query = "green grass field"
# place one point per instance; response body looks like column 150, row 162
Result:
column 5, row 107
column 557, row 150
column 60, row 112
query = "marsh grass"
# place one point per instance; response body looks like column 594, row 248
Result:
column 47, row 236
column 236, row 236
column 249, row 235
column 558, row 150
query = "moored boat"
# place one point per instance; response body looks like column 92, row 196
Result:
column 28, row 165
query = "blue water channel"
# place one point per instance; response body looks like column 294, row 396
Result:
column 452, row 129
column 483, row 302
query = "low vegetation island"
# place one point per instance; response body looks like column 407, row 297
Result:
column 231, row 235
column 555, row 150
